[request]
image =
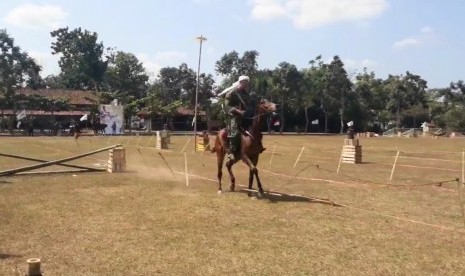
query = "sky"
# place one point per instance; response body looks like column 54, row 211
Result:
column 424, row 37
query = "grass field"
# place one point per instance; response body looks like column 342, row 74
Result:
column 146, row 221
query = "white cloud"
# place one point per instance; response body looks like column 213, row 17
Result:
column 268, row 10
column 359, row 64
column 153, row 64
column 36, row 16
column 426, row 30
column 170, row 56
column 306, row 14
column 405, row 43
column 204, row 2
column 47, row 61
column 426, row 34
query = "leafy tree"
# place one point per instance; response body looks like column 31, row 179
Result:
column 126, row 80
column 314, row 87
column 371, row 100
column 405, row 92
column 82, row 63
column 157, row 103
column 287, row 81
column 17, row 69
column 338, row 87
column 232, row 66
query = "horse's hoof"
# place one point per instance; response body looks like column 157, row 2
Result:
column 232, row 188
column 220, row 192
column 260, row 195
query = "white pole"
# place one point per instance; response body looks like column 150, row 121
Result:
column 185, row 168
column 184, row 148
column 272, row 154
column 201, row 39
column 394, row 165
column 298, row 157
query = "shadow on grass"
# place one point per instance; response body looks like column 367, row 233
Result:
column 276, row 197
column 5, row 182
column 4, row 256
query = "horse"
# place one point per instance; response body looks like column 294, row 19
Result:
column 99, row 128
column 251, row 147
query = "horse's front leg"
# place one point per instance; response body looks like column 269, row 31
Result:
column 229, row 165
column 259, row 183
column 253, row 171
column 220, row 157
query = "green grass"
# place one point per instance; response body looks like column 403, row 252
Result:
column 147, row 221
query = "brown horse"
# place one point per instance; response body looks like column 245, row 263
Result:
column 251, row 147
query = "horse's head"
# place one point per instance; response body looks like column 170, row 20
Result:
column 266, row 106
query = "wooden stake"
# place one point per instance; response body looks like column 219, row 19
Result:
column 340, row 161
column 463, row 166
column 185, row 168
column 148, row 142
column 138, row 140
column 394, row 165
column 459, row 187
column 166, row 162
column 184, row 148
column 272, row 153
column 298, row 157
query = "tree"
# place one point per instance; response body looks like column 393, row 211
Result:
column 371, row 100
column 81, row 62
column 126, row 80
column 287, row 81
column 405, row 92
column 338, row 87
column 232, row 66
column 156, row 103
column 314, row 82
column 17, row 69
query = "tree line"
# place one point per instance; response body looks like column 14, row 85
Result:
column 321, row 97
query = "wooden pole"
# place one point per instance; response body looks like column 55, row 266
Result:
column 459, row 187
column 340, row 161
column 272, row 153
column 40, row 160
column 166, row 163
column 49, row 163
column 298, row 157
column 185, row 168
column 463, row 166
column 148, row 142
column 184, row 148
column 394, row 165
column 33, row 267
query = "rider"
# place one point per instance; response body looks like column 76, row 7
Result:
column 236, row 102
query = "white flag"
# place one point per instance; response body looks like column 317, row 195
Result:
column 83, row 118
column 21, row 115
column 315, row 122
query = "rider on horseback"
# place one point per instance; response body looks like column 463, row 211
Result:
column 236, row 102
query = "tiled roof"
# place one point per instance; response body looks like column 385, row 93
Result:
column 44, row 113
column 75, row 97
column 183, row 111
